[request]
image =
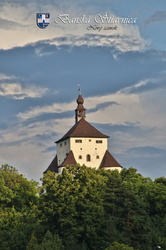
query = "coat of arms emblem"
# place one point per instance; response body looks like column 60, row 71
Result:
column 43, row 20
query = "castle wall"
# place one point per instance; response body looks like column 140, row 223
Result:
column 63, row 148
column 88, row 151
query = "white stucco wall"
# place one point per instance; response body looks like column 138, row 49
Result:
column 60, row 169
column 63, row 148
column 88, row 146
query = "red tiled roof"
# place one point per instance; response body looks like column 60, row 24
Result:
column 53, row 167
column 109, row 161
column 70, row 160
column 83, row 129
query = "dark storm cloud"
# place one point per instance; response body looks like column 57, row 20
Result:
column 101, row 106
column 158, row 16
column 60, row 69
column 134, row 129
column 38, row 139
column 66, row 114
column 93, row 67
column 48, row 116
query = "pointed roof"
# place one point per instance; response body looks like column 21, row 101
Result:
column 83, row 129
column 109, row 161
column 53, row 167
column 70, row 160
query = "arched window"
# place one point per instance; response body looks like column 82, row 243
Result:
column 97, row 157
column 80, row 157
column 88, row 158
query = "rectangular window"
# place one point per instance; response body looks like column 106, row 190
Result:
column 65, row 143
column 89, row 139
column 60, row 144
column 78, row 141
column 98, row 141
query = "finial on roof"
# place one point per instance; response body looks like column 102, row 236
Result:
column 79, row 89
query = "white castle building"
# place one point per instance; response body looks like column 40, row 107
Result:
column 83, row 144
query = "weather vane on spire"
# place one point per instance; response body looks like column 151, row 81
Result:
column 79, row 89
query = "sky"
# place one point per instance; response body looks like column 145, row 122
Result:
column 121, row 68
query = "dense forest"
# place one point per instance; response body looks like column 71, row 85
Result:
column 82, row 209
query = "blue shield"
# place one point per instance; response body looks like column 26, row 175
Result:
column 43, row 20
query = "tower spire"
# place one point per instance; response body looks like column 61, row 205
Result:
column 80, row 111
column 79, row 89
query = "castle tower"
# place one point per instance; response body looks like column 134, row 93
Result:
column 83, row 144
column 80, row 111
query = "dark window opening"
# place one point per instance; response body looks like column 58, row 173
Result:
column 78, row 141
column 98, row 141
column 88, row 158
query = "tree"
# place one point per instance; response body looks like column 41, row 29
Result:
column 72, row 204
column 161, row 179
column 33, row 244
column 118, row 246
column 16, row 190
column 18, row 209
column 127, row 209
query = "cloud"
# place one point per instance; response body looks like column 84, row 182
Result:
column 122, row 131
column 149, row 161
column 45, row 136
column 5, row 77
column 49, row 149
column 47, row 117
column 14, row 3
column 101, row 106
column 126, row 38
column 146, row 151
column 145, row 85
column 122, row 42
column 14, row 143
column 16, row 91
column 10, row 25
column 158, row 16
column 40, row 140
column 42, row 114
column 67, row 65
